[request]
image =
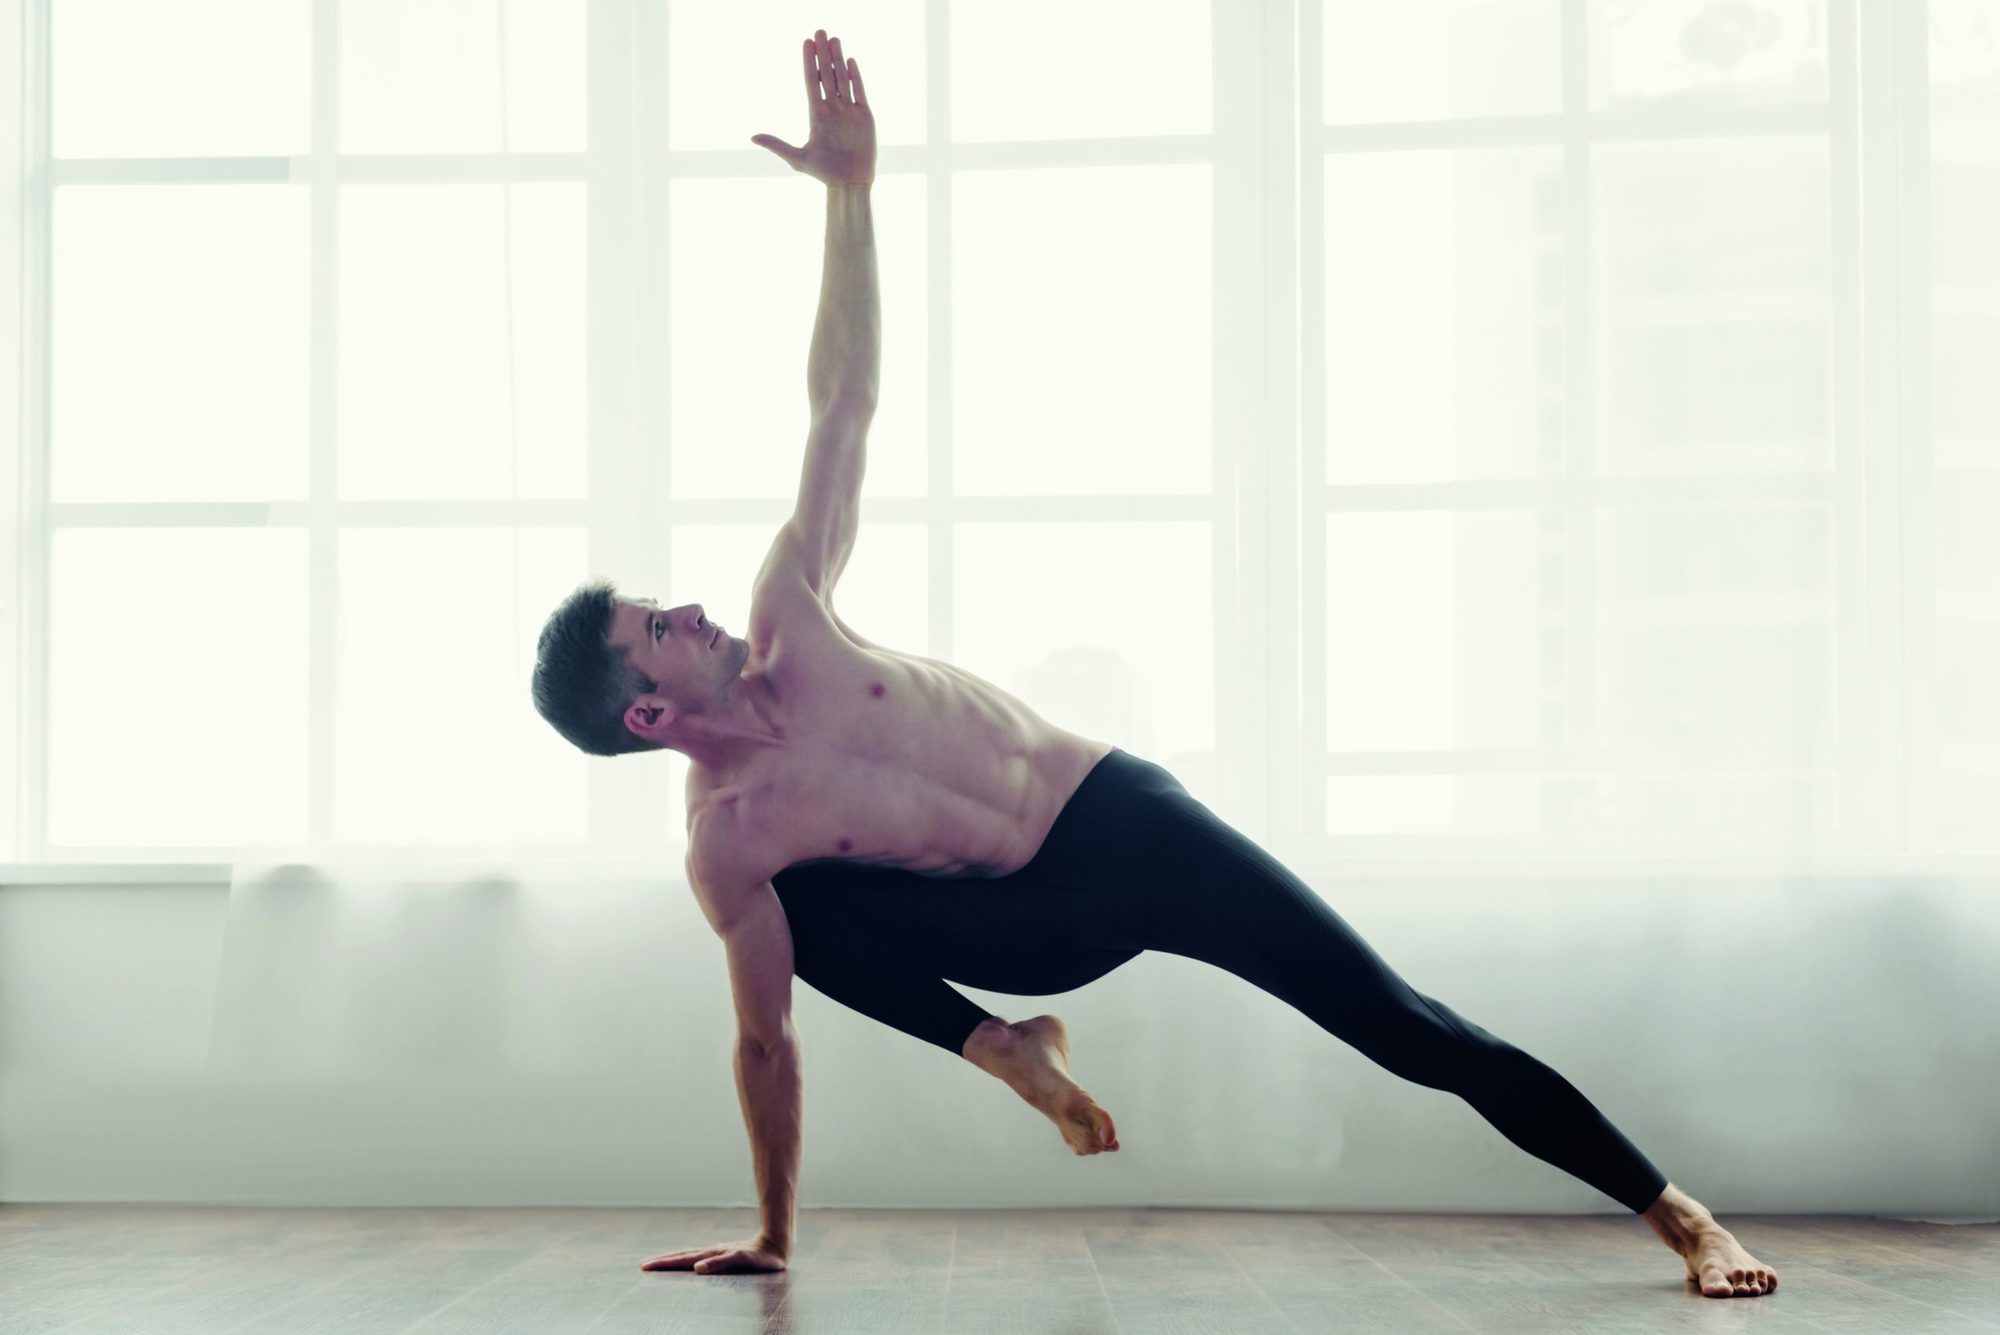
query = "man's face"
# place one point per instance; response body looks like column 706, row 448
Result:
column 691, row 657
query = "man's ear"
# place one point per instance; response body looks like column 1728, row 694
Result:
column 650, row 716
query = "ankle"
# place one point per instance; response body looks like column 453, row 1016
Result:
column 1679, row 1216
column 992, row 1037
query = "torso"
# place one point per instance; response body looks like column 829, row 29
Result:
column 888, row 758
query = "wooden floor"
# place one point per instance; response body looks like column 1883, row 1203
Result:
column 108, row 1268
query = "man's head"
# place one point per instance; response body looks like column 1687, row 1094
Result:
column 615, row 675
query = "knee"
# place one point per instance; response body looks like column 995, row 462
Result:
column 1508, row 1073
column 1447, row 1057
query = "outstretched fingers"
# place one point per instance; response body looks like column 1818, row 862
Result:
column 682, row 1260
column 829, row 70
column 831, row 76
column 840, row 89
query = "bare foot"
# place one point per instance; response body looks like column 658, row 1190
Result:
column 1709, row 1252
column 1032, row 1057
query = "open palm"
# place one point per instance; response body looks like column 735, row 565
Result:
column 840, row 147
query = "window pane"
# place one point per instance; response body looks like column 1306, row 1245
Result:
column 1439, row 59
column 1051, row 69
column 1748, row 805
column 1967, row 713
column 424, row 325
column 1444, row 315
column 1700, row 53
column 179, row 359
column 1364, row 804
column 714, row 565
column 884, row 593
column 177, row 671
column 423, row 76
column 738, row 70
column 196, row 78
column 1965, row 411
column 1107, row 630
column 746, row 262
column 1716, row 628
column 436, row 740
column 1082, row 331
column 1711, row 309
column 1434, row 630
column 1787, row 805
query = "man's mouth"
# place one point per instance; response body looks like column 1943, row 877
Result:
column 713, row 638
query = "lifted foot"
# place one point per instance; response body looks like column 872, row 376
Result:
column 1032, row 1057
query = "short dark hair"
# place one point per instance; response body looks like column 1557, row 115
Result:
column 583, row 682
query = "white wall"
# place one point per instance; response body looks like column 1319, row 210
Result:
column 1807, row 1045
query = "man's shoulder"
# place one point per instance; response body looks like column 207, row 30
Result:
column 725, row 848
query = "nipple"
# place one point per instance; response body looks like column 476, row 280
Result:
column 846, row 844
column 878, row 689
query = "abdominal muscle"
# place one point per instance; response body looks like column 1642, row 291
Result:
column 894, row 759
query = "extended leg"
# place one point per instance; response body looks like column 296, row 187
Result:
column 1234, row 905
column 1228, row 902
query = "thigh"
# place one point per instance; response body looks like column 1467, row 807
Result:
column 999, row 934
column 1213, row 894
column 872, row 971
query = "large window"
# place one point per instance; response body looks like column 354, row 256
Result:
column 1527, row 427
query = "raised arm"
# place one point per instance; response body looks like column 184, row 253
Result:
column 843, row 369
column 846, row 354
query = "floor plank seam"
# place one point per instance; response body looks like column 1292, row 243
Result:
column 1102, row 1287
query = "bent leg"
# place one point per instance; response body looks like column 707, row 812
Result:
column 867, row 967
column 1215, row 896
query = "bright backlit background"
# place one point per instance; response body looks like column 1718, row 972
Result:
column 1499, row 439
column 1617, row 490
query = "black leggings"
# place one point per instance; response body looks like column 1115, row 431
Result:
column 1134, row 863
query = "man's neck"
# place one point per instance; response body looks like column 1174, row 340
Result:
column 744, row 726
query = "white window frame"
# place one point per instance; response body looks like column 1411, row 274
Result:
column 1267, row 508
column 1879, row 413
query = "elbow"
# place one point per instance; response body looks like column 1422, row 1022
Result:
column 851, row 399
column 767, row 1043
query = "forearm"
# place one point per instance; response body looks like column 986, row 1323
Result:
column 847, row 335
column 768, row 1085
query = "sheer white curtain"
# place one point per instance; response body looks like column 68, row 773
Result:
column 1509, row 441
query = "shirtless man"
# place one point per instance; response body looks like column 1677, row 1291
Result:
column 833, row 782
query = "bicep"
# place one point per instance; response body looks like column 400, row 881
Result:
column 828, row 512
column 743, row 908
column 787, row 569
column 758, row 941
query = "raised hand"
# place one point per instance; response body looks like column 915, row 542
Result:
column 730, row 1258
column 840, row 147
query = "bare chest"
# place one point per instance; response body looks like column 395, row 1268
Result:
column 898, row 760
